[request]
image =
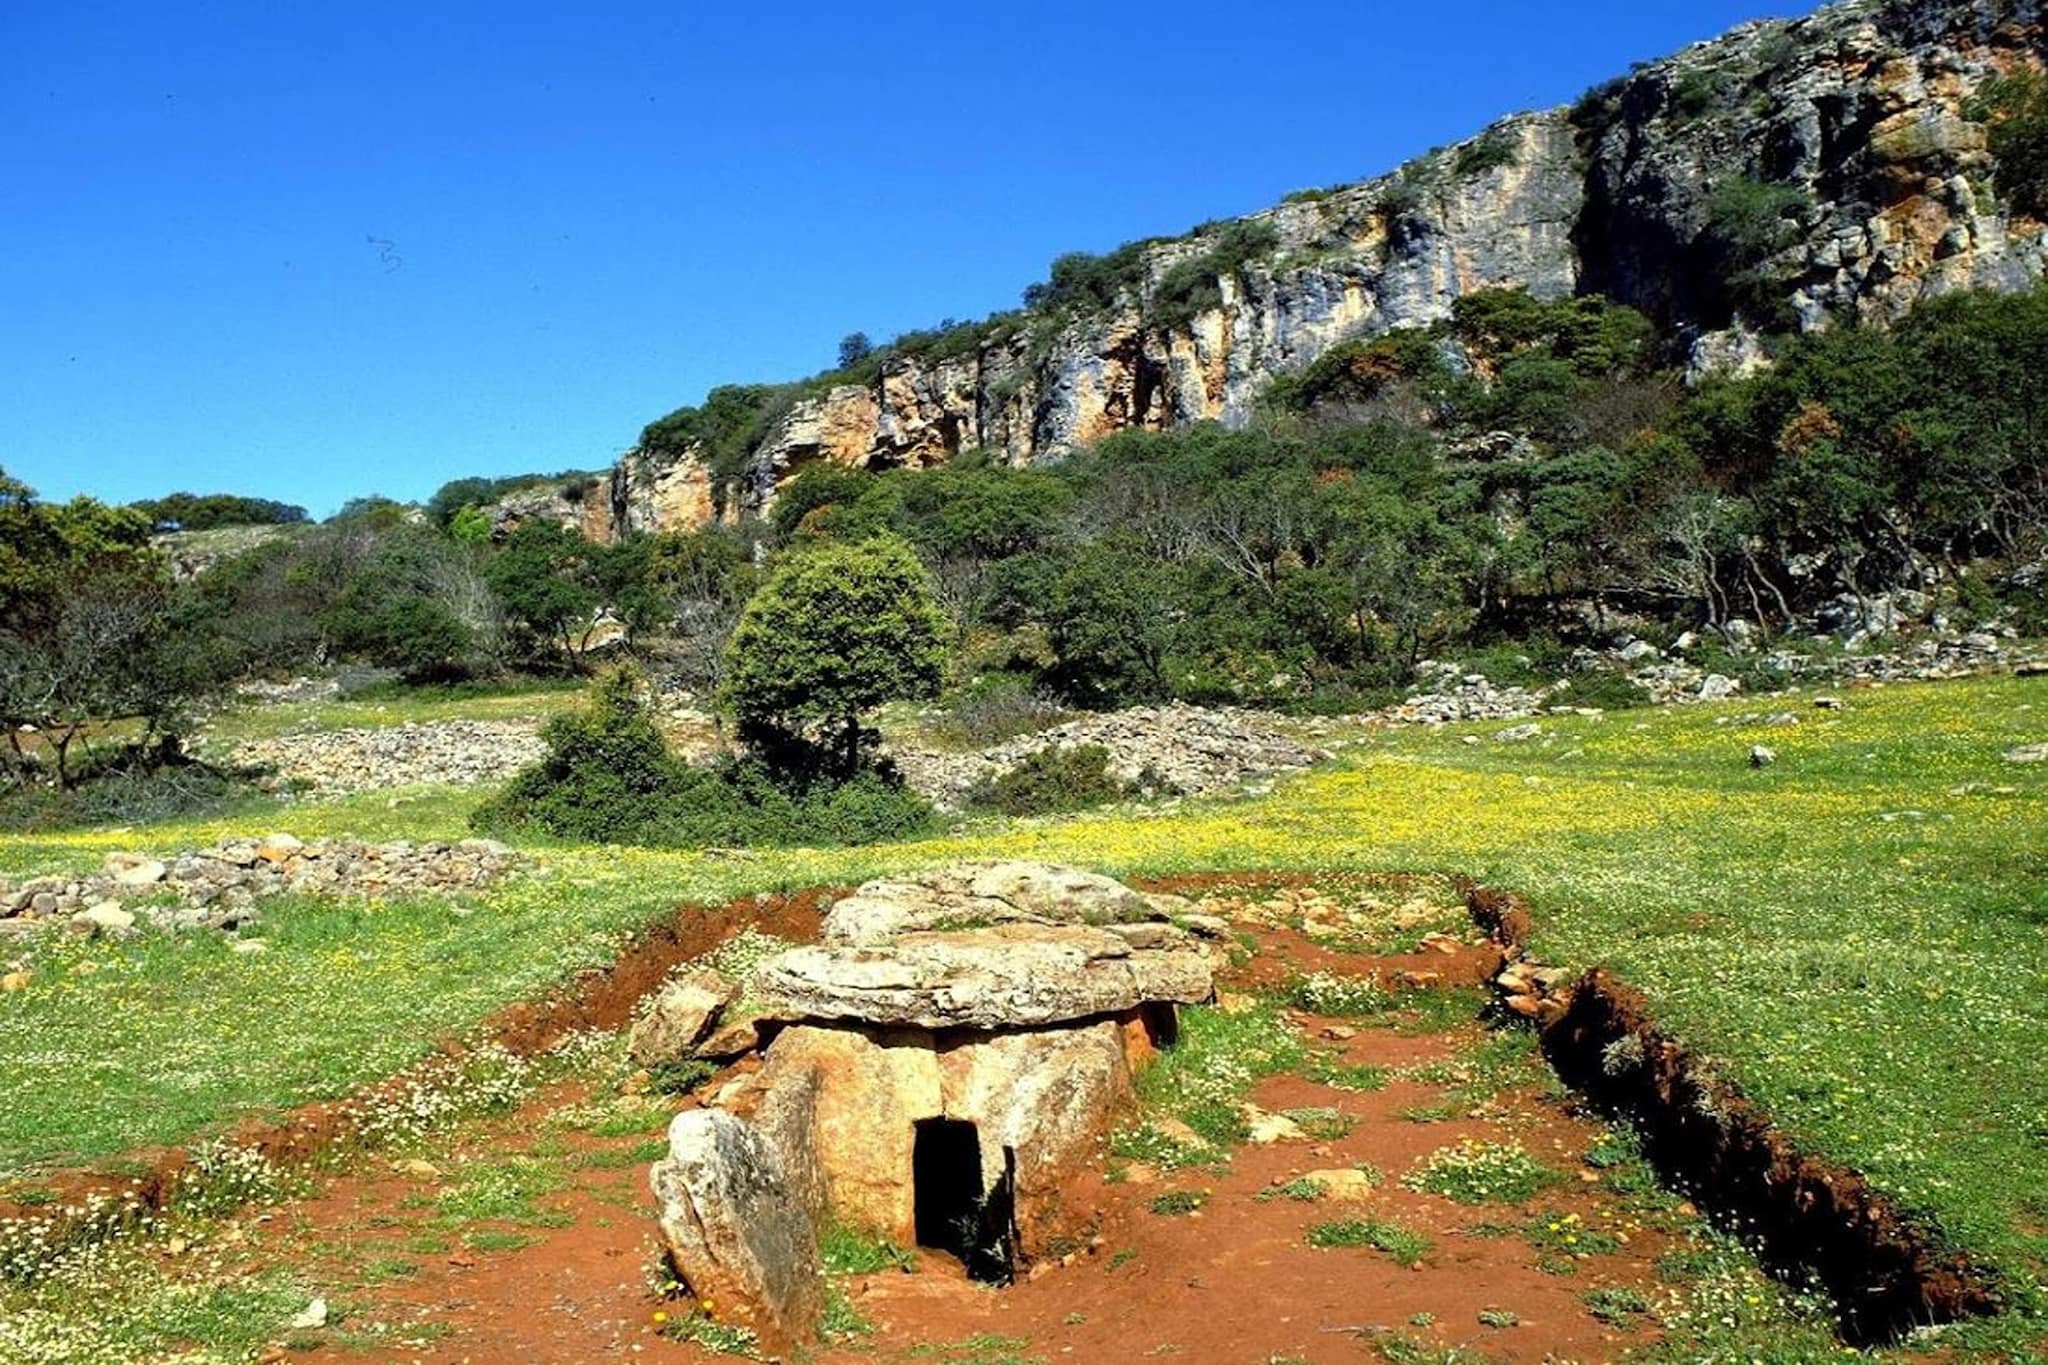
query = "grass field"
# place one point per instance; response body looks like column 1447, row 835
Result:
column 1858, row 933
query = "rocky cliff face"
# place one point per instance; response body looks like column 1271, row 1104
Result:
column 1851, row 128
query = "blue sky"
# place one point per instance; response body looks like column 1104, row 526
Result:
column 314, row 251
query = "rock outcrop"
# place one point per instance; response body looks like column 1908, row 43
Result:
column 1858, row 118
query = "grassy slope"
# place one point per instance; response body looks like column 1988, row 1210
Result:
column 1859, row 935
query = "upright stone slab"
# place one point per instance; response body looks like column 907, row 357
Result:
column 737, row 1233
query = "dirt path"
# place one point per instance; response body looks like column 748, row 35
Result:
column 531, row 1238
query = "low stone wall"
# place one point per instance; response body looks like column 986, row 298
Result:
column 218, row 887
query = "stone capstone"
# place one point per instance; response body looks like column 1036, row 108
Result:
column 736, row 1231
column 988, row 947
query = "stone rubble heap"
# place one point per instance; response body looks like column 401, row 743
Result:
column 218, row 887
column 1199, row 751
column 1450, row 694
column 340, row 762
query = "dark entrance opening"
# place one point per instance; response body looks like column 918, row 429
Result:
column 1161, row 1022
column 952, row 1214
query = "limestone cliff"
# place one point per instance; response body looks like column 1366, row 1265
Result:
column 1853, row 127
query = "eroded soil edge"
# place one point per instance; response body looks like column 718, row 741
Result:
column 1809, row 1217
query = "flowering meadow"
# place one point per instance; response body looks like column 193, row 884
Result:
column 1856, row 934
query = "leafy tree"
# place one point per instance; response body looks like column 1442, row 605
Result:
column 1108, row 623
column 548, row 578
column 91, row 629
column 833, row 633
column 197, row 512
column 854, row 347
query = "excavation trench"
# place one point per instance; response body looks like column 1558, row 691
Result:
column 1811, row 1219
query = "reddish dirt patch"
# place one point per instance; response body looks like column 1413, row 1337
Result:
column 1233, row 1283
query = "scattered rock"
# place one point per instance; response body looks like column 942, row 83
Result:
column 146, row 873
column 1193, row 750
column 1517, row 734
column 1717, row 687
column 736, row 1232
column 2027, row 753
column 313, row 1315
column 1344, row 1184
column 1761, row 756
column 217, row 888
column 678, row 1017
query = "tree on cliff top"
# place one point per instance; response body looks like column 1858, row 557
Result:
column 833, row 633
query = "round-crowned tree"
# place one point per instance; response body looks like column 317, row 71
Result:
column 833, row 633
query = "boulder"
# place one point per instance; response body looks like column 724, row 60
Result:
column 148, row 872
column 679, row 1016
column 736, row 1232
column 1718, row 687
column 106, row 919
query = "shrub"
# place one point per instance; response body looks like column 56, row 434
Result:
column 1194, row 287
column 1051, row 780
column 1697, row 91
column 1490, row 152
column 1407, row 1246
column 997, row 707
column 2017, row 109
column 608, row 777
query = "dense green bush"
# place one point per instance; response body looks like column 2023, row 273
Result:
column 1488, row 153
column 609, row 777
column 1052, row 780
column 833, row 633
column 1195, row 286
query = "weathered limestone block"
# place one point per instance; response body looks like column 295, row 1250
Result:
column 679, row 1017
column 736, row 1231
column 1008, row 976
